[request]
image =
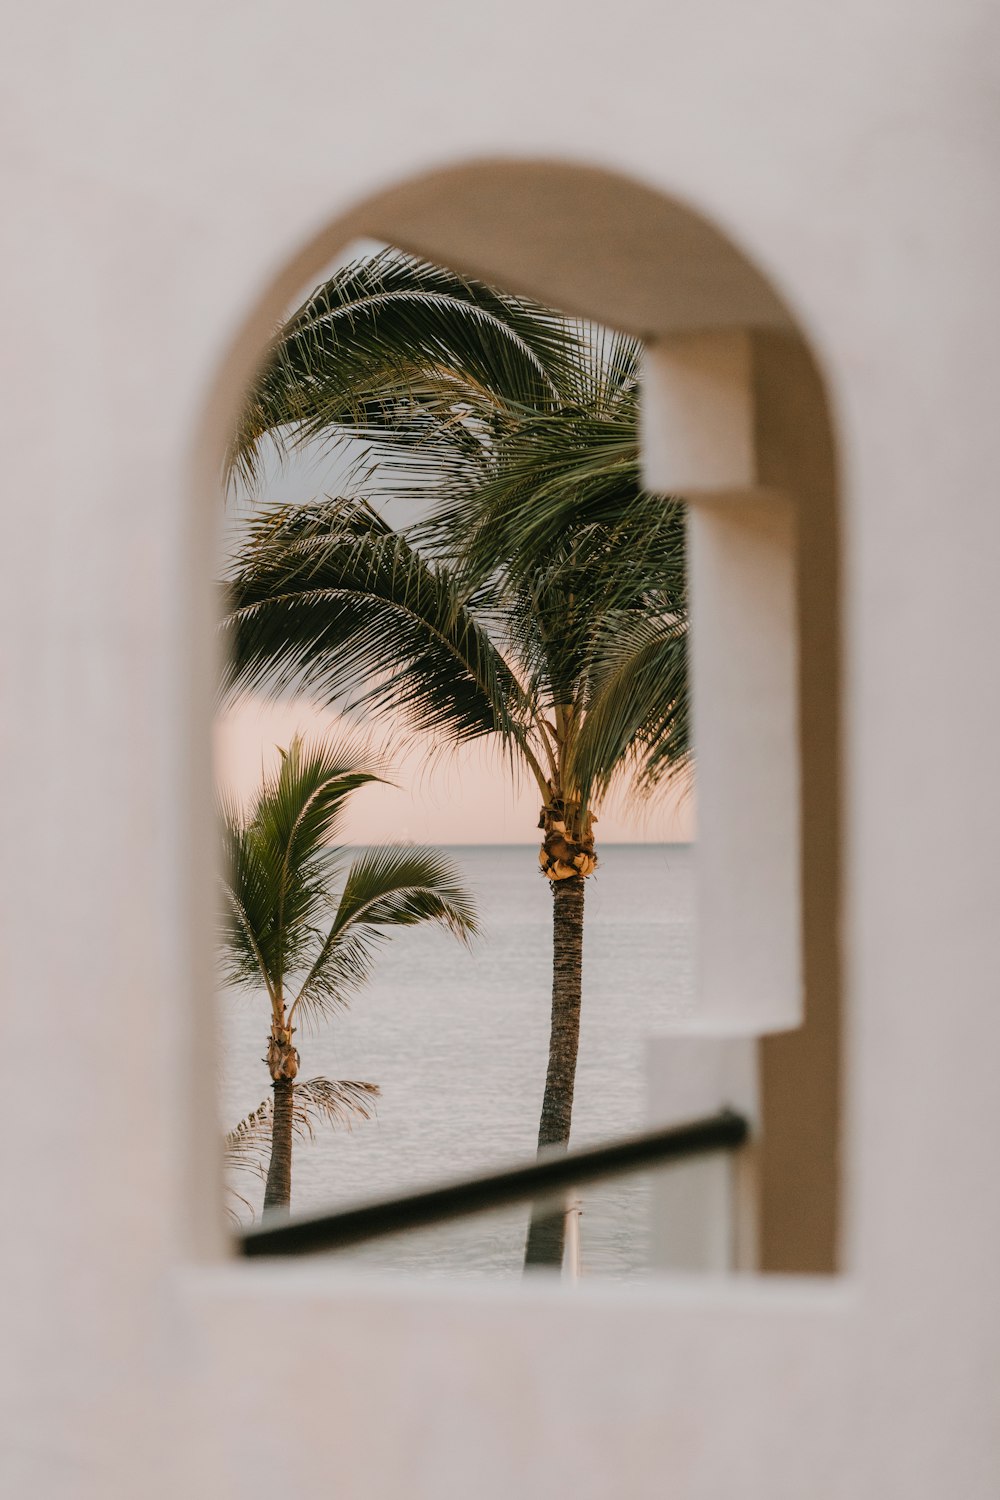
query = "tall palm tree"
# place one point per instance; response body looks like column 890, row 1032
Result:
column 541, row 602
column 286, row 931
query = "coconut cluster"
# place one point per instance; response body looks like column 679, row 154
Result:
column 282, row 1057
column 563, row 853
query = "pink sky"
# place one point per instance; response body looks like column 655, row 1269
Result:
column 463, row 798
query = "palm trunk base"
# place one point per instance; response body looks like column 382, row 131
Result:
column 547, row 1230
column 546, row 1240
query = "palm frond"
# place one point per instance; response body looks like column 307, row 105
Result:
column 278, row 858
column 386, row 888
column 328, row 597
column 637, row 720
column 392, row 340
column 584, row 451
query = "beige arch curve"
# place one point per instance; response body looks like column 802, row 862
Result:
column 624, row 254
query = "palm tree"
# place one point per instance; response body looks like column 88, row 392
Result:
column 286, row 931
column 541, row 602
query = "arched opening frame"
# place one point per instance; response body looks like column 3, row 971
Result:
column 736, row 420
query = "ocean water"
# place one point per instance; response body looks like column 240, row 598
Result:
column 457, row 1042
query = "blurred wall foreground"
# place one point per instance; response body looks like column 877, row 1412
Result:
column 796, row 206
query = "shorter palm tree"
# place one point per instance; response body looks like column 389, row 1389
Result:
column 286, row 931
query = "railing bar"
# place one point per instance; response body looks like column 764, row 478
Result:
column 420, row 1210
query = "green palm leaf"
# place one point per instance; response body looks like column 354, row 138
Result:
column 385, row 888
column 391, row 340
column 637, row 717
column 330, row 598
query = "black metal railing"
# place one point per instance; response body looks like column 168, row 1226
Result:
column 722, row 1132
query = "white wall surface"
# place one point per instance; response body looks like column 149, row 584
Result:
column 163, row 169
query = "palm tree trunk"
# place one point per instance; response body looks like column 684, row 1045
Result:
column 546, row 1233
column 278, row 1189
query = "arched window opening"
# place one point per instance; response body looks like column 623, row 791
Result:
column 724, row 961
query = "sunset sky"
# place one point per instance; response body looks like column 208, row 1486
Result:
column 464, row 798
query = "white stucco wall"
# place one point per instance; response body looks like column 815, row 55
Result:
column 161, row 167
